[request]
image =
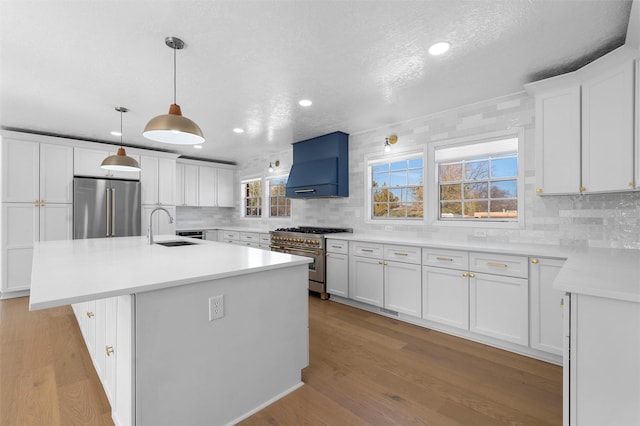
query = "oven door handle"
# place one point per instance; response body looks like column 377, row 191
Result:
column 288, row 249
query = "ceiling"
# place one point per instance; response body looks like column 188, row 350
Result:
column 65, row 65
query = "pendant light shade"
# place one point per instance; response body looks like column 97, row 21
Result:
column 121, row 161
column 173, row 127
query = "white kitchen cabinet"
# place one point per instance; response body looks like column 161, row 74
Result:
column 211, row 235
column 545, row 305
column 86, row 162
column 100, row 358
column 402, row 287
column 207, row 186
column 186, row 185
column 56, row 222
column 366, row 273
column 225, row 188
column 161, row 225
column 499, row 307
column 109, row 348
column 157, row 180
column 228, row 236
column 445, row 296
column 265, row 241
column 608, row 130
column 337, row 267
column 558, row 141
column 602, row 369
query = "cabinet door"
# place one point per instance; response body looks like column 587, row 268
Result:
column 225, row 188
column 190, row 185
column 123, row 410
column 56, row 222
column 545, row 306
column 90, row 331
column 337, row 266
column 100, row 357
column 499, row 307
column 161, row 223
column 20, row 228
column 149, row 180
column 56, row 173
column 86, row 162
column 206, row 186
column 110, row 349
column 607, row 131
column 402, row 287
column 366, row 280
column 167, row 181
column 445, row 296
column 20, row 168
column 558, row 141
column 180, row 185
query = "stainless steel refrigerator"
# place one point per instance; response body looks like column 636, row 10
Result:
column 105, row 208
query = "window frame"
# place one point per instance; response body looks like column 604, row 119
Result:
column 243, row 183
column 268, row 197
column 374, row 159
column 433, row 184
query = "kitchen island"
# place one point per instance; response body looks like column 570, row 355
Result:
column 146, row 315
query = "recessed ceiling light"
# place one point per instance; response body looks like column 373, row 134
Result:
column 197, row 146
column 305, row 102
column 238, row 130
column 439, row 48
column 116, row 133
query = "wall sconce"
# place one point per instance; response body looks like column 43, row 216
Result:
column 271, row 166
column 391, row 140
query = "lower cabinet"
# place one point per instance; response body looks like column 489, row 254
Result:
column 445, row 296
column 545, row 305
column 366, row 279
column 337, row 267
column 402, row 289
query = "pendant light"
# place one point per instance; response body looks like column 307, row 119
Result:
column 121, row 161
column 173, row 127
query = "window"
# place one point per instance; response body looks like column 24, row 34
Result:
column 279, row 206
column 397, row 188
column 479, row 181
column 252, row 196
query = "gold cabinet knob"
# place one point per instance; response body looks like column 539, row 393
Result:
column 326, row 254
column 631, row 184
column 90, row 314
column 464, row 274
column 582, row 189
column 472, row 275
column 538, row 190
column 109, row 350
column 534, row 261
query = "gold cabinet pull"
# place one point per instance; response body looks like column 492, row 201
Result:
column 496, row 265
column 445, row 259
column 109, row 350
column 380, row 262
column 582, row 189
column 472, row 275
column 464, row 274
column 401, row 254
column 338, row 247
column 90, row 314
column 326, row 255
column 562, row 303
column 367, row 250
column 538, row 190
column 534, row 261
column 631, row 184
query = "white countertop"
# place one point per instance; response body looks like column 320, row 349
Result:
column 610, row 273
column 73, row 271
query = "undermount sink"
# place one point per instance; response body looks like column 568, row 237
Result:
column 176, row 243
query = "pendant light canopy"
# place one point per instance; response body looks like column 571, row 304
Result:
column 121, row 161
column 173, row 127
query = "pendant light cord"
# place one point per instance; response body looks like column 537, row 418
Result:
column 174, row 75
column 120, row 126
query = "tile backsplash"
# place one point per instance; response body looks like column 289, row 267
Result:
column 603, row 220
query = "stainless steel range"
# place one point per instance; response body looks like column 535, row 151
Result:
column 310, row 242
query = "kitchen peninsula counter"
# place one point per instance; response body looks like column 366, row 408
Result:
column 198, row 334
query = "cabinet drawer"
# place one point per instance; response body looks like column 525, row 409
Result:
column 405, row 254
column 337, row 246
column 230, row 235
column 365, row 249
column 499, row 264
column 265, row 239
column 249, row 237
column 453, row 259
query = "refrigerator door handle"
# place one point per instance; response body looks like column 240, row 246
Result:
column 108, row 211
column 113, row 212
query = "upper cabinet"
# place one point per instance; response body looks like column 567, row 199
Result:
column 86, row 162
column 586, row 128
column 158, row 180
column 36, row 172
column 204, row 185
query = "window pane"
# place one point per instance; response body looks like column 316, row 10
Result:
column 504, row 189
column 475, row 170
column 414, row 210
column 448, row 209
column 379, row 168
column 451, row 192
column 397, row 210
column 475, row 190
column 504, row 209
column 476, row 209
column 396, row 195
column 399, row 178
column 381, row 195
column 450, row 172
column 504, row 167
column 415, row 177
column 380, row 209
column 380, row 180
column 415, row 163
column 397, row 187
column 399, row 165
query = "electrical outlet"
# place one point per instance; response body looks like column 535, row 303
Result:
column 216, row 307
column 479, row 233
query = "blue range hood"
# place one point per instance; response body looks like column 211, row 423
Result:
column 320, row 167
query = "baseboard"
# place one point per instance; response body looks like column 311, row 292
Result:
column 13, row 294
column 265, row 404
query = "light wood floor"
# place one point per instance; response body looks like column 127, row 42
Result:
column 364, row 370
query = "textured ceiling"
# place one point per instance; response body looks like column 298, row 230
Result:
column 65, row 65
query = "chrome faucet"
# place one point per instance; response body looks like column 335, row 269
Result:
column 150, row 230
